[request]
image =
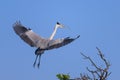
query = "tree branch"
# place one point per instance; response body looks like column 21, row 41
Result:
column 100, row 73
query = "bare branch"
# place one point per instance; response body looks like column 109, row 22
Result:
column 86, row 57
column 93, row 73
column 100, row 73
column 102, row 57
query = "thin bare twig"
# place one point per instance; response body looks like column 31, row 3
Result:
column 100, row 73
column 86, row 57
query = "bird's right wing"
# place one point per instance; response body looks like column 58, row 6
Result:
column 61, row 42
column 26, row 34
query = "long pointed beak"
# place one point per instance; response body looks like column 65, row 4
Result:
column 62, row 26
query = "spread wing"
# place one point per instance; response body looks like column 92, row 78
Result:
column 26, row 34
column 61, row 42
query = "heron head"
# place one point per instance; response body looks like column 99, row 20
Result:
column 59, row 25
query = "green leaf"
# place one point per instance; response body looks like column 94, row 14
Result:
column 59, row 76
column 63, row 76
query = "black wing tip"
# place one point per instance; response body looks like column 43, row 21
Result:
column 73, row 38
column 17, row 23
column 78, row 36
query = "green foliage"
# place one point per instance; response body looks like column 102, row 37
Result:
column 63, row 76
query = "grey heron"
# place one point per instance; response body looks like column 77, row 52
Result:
column 42, row 44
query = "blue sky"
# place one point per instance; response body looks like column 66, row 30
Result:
column 97, row 22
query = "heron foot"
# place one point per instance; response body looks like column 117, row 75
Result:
column 38, row 65
column 34, row 65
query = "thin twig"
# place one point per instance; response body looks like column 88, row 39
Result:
column 86, row 57
column 99, row 73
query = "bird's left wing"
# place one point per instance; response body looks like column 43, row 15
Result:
column 60, row 42
column 27, row 34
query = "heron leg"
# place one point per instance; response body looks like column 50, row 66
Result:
column 35, row 60
column 39, row 61
column 40, row 58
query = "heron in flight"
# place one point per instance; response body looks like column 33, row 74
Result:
column 42, row 44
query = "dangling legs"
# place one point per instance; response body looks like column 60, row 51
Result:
column 39, row 61
column 35, row 60
column 38, row 52
column 42, row 51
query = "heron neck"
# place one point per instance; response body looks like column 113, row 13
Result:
column 54, row 32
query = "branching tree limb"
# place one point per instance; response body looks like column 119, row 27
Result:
column 99, row 73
